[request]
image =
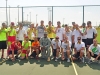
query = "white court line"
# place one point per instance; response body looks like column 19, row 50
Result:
column 74, row 67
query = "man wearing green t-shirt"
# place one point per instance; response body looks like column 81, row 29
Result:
column 26, row 45
column 94, row 51
column 3, row 38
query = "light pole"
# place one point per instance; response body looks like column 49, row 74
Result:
column 9, row 14
column 18, row 14
column 6, row 13
column 30, row 16
column 36, row 18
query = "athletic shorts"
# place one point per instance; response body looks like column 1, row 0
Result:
column 34, row 53
column 51, row 39
column 77, row 55
column 85, row 41
column 54, row 52
column 11, row 38
column 15, row 52
column 38, row 39
column 72, row 45
column 89, row 41
column 95, row 55
column 3, row 44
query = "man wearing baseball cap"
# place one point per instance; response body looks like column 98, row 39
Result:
column 45, row 44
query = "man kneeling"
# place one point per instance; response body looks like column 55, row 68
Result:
column 15, row 49
column 26, row 45
column 35, row 49
column 79, row 50
column 94, row 51
column 66, row 49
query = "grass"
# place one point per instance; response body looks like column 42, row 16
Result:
column 98, row 37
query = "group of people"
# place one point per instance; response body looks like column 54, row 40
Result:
column 70, row 43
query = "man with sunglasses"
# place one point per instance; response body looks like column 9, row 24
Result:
column 79, row 50
column 56, row 44
column 91, row 33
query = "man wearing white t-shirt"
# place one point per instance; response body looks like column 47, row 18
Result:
column 75, row 34
column 21, row 33
column 59, row 31
column 91, row 33
column 56, row 44
column 68, row 32
column 84, row 34
column 94, row 51
column 79, row 50
column 66, row 49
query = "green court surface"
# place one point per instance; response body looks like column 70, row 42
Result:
column 42, row 67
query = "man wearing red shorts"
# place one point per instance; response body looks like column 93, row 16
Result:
column 15, row 49
column 26, row 45
column 11, row 35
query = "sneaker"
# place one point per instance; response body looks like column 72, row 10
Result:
column 56, row 59
column 68, row 60
column 90, row 61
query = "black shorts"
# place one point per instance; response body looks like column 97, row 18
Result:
column 72, row 45
column 15, row 52
column 31, row 41
column 3, row 44
column 77, row 55
column 34, row 53
column 85, row 41
column 95, row 55
column 38, row 39
column 89, row 41
column 51, row 39
column 54, row 52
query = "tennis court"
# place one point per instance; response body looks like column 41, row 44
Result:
column 42, row 67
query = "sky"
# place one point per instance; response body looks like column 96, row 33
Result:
column 64, row 14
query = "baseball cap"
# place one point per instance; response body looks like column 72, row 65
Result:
column 12, row 23
column 26, row 36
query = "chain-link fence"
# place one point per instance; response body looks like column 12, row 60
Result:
column 65, row 14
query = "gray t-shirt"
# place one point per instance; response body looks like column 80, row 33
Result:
column 40, row 32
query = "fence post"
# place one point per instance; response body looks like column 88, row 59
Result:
column 83, row 14
column 22, row 15
column 52, row 15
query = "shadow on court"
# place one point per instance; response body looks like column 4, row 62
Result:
column 41, row 62
column 94, row 66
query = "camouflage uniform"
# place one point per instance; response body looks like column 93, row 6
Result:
column 45, row 42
